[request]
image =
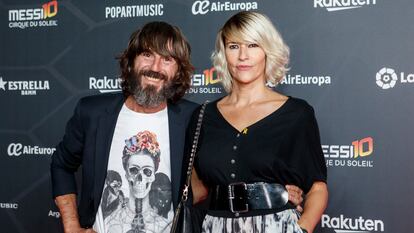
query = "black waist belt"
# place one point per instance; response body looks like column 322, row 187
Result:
column 241, row 197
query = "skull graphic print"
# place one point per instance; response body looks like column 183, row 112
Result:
column 144, row 182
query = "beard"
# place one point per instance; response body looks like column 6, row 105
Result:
column 149, row 96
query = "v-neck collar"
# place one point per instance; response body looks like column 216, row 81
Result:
column 255, row 124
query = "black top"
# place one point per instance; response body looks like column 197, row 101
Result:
column 283, row 147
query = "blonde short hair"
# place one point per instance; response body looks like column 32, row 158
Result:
column 257, row 28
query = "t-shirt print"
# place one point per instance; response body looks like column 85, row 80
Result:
column 143, row 203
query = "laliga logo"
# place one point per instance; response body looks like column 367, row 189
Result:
column 386, row 78
column 200, row 7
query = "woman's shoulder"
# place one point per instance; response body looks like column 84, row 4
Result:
column 300, row 105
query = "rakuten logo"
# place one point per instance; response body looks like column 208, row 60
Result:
column 338, row 5
column 17, row 149
column 105, row 84
column 343, row 224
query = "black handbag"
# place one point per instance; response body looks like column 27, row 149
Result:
column 184, row 220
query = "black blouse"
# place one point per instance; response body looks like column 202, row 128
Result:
column 283, row 147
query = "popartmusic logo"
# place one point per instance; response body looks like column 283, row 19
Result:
column 9, row 205
column 34, row 17
column 132, row 11
column 201, row 83
column 356, row 154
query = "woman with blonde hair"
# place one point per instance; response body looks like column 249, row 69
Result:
column 254, row 141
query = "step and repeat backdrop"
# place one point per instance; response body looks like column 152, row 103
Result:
column 353, row 60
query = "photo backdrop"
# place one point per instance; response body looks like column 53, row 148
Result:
column 352, row 60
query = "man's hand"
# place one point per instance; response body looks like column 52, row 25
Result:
column 82, row 230
column 295, row 196
column 68, row 211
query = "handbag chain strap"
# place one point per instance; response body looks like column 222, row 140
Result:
column 193, row 152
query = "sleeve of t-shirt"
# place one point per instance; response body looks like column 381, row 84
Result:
column 307, row 157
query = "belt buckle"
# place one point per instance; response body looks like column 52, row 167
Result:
column 234, row 190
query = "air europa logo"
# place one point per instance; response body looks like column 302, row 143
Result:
column 17, row 149
column 338, row 5
column 34, row 17
column 201, row 83
column 299, row 79
column 202, row 7
column 344, row 224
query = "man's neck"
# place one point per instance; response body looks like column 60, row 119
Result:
column 134, row 106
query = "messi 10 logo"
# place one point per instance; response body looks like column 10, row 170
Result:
column 208, row 77
column 48, row 10
column 359, row 148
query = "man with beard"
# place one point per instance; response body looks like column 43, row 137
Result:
column 155, row 72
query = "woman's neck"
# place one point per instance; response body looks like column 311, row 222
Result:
column 243, row 95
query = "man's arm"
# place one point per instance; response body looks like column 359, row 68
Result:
column 65, row 162
column 315, row 204
column 69, row 213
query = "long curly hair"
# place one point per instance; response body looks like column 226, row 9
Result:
column 166, row 40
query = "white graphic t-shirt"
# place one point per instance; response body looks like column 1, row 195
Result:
column 137, row 191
